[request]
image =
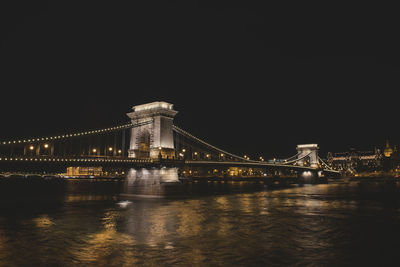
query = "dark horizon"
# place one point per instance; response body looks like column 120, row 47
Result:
column 74, row 67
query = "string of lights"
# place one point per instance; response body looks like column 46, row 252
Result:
column 183, row 132
column 293, row 161
column 323, row 162
column 76, row 160
column 72, row 135
column 287, row 159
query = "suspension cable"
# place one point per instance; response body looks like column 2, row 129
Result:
column 183, row 132
column 66, row 136
column 288, row 159
column 180, row 131
column 323, row 162
column 292, row 157
column 298, row 159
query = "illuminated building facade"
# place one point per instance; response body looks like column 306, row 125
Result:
column 84, row 171
column 356, row 161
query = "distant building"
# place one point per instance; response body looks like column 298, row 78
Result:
column 388, row 151
column 84, row 171
column 395, row 159
column 355, row 161
column 392, row 158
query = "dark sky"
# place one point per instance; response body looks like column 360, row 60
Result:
column 244, row 79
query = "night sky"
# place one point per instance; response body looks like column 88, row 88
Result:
column 245, row 80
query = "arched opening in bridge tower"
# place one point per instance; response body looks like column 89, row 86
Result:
column 306, row 161
column 143, row 140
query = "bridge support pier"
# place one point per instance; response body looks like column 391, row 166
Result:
column 307, row 177
column 311, row 177
column 154, row 182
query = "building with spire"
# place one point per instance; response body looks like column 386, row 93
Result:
column 388, row 151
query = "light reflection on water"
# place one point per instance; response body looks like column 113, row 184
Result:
column 43, row 221
column 328, row 225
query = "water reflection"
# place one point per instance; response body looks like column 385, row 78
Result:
column 107, row 247
column 311, row 225
column 190, row 218
column 43, row 221
column 4, row 250
column 86, row 198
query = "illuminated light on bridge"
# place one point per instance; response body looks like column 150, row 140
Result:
column 66, row 136
column 153, row 106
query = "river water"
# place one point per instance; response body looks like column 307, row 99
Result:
column 337, row 224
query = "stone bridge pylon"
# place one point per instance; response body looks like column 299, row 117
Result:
column 308, row 154
column 154, row 136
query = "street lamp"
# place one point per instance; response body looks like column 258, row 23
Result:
column 46, row 146
column 31, row 148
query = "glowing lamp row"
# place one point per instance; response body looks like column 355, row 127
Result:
column 67, row 135
column 79, row 160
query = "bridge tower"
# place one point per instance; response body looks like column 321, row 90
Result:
column 312, row 151
column 154, row 136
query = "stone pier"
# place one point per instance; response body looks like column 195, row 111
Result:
column 154, row 182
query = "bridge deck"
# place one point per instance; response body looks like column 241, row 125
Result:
column 130, row 162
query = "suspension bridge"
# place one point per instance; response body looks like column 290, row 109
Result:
column 149, row 141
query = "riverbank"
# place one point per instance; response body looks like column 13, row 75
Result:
column 375, row 176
